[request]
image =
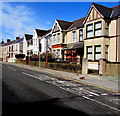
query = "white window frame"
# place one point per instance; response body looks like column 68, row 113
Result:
column 89, row 30
column 74, row 36
column 81, row 35
column 58, row 37
column 98, row 28
column 97, row 52
column 89, row 52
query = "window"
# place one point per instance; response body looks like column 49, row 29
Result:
column 58, row 52
column 97, row 52
column 89, row 52
column 54, row 51
column 58, row 35
column 54, row 39
column 106, row 52
column 98, row 29
column 16, row 47
column 81, row 35
column 107, row 28
column 74, row 36
column 89, row 31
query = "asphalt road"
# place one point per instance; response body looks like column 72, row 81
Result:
column 29, row 92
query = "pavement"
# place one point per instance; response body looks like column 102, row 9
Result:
column 110, row 83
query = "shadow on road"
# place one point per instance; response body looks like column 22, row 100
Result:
column 48, row 107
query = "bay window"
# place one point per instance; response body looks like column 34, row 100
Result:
column 81, row 35
column 89, row 31
column 98, row 29
column 97, row 54
column 89, row 52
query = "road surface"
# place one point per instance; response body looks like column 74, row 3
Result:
column 30, row 92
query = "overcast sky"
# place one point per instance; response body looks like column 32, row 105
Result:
column 19, row 18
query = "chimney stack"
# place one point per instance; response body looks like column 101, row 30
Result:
column 8, row 40
column 2, row 42
column 17, row 38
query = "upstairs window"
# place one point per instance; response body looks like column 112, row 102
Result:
column 54, row 39
column 89, row 31
column 74, row 36
column 81, row 35
column 58, row 36
column 98, row 29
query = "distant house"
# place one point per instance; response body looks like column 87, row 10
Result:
column 28, row 44
column 39, row 41
column 59, row 31
column 67, row 40
column 17, row 47
column 74, row 49
column 8, row 51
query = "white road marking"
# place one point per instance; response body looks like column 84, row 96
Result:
column 101, row 103
column 104, row 94
column 12, row 68
column 30, row 75
column 73, row 91
column 92, row 93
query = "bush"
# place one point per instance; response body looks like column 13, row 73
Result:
column 20, row 56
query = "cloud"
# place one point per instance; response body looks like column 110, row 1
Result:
column 16, row 20
column 49, row 23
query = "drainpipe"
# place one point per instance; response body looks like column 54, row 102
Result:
column 116, row 39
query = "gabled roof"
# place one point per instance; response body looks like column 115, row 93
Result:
column 116, row 11
column 105, row 11
column 77, row 24
column 28, row 36
column 64, row 24
column 41, row 32
column 108, row 12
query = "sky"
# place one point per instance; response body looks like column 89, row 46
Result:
column 19, row 18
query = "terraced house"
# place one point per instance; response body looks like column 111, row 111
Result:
column 94, row 38
column 102, row 35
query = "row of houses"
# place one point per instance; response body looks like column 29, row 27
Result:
column 94, row 37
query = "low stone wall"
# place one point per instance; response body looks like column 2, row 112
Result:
column 112, row 68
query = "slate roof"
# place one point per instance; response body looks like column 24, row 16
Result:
column 116, row 11
column 18, row 41
column 64, row 24
column 108, row 12
column 11, row 42
column 41, row 32
column 28, row 37
column 77, row 24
